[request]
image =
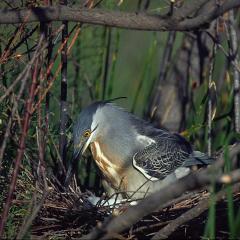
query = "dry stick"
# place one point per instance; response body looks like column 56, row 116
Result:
column 194, row 212
column 51, row 81
column 181, row 199
column 140, row 21
column 210, row 100
column 163, row 70
column 51, row 64
column 224, row 179
column 143, row 228
column 41, row 142
column 28, row 221
column 24, row 38
column 235, row 58
column 234, row 63
column 20, row 77
column 63, row 101
column 14, row 108
column 23, row 76
column 21, row 149
column 193, row 181
column 6, row 52
column 211, row 85
column 48, row 34
column 43, row 130
column 107, row 58
column 28, row 66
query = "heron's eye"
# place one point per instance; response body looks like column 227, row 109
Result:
column 87, row 133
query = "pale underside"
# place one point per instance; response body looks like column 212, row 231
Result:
column 132, row 180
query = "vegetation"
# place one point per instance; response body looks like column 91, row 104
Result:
column 183, row 79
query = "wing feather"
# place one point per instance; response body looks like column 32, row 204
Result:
column 164, row 156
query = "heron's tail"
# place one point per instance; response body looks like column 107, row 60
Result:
column 198, row 158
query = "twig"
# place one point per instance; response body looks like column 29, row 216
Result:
column 13, row 111
column 21, row 149
column 210, row 100
column 21, row 76
column 143, row 228
column 6, row 53
column 234, row 63
column 235, row 58
column 163, row 70
column 28, row 67
column 63, row 101
column 194, row 212
column 155, row 201
column 51, row 81
column 49, row 56
column 107, row 57
column 28, row 221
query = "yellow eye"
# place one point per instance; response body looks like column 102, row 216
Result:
column 87, row 133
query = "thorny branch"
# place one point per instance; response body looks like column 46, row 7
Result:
column 181, row 20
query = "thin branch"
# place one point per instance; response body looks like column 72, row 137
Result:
column 13, row 111
column 194, row 180
column 164, row 67
column 140, row 21
column 22, row 143
column 194, row 212
column 107, row 58
column 63, row 105
column 210, row 110
column 236, row 74
column 29, row 220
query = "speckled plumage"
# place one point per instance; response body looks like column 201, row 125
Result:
column 163, row 157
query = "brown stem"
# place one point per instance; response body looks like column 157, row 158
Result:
column 63, row 105
column 194, row 212
column 156, row 200
column 21, row 149
column 236, row 74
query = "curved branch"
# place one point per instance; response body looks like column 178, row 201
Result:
column 179, row 21
column 155, row 201
column 192, row 213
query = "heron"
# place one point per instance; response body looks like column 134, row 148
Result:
column 134, row 157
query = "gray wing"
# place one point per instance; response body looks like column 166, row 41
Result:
column 163, row 157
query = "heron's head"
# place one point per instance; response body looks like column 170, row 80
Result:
column 101, row 121
column 85, row 130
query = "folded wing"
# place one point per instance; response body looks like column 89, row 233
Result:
column 163, row 157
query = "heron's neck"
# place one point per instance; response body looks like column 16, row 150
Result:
column 118, row 134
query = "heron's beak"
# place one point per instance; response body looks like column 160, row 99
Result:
column 77, row 153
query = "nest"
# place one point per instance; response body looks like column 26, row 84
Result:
column 70, row 216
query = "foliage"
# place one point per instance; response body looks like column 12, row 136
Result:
column 102, row 60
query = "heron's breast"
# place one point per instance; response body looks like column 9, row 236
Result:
column 113, row 173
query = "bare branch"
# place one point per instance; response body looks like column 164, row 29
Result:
column 22, row 143
column 154, row 202
column 194, row 212
column 236, row 74
column 139, row 21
